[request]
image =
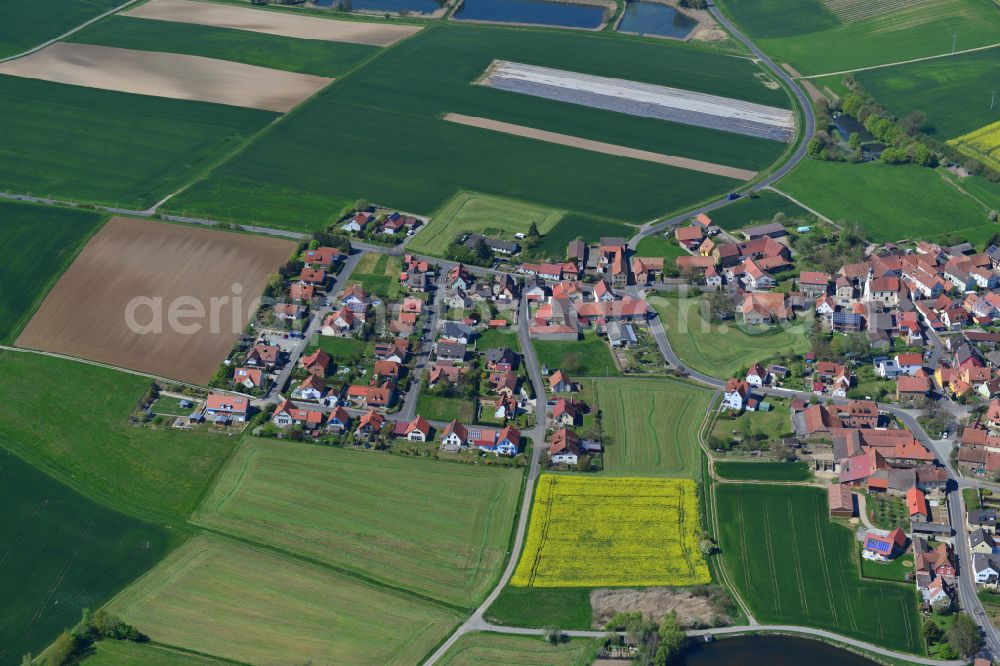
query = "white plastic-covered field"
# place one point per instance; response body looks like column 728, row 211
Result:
column 644, row 99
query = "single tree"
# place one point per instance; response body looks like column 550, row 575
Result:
column 964, row 635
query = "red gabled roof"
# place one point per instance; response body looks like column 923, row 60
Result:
column 916, row 502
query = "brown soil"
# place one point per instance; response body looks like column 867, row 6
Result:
column 653, row 603
column 85, row 313
column 273, row 22
column 167, row 75
column 600, row 146
column 814, row 92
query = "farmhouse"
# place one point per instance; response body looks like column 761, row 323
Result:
column 564, row 447
column 884, row 547
column 765, row 308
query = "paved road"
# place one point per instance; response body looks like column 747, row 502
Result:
column 537, row 435
column 808, row 129
column 423, row 353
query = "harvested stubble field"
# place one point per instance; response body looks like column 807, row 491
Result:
column 280, row 23
column 218, row 597
column 403, row 154
column 627, row 531
column 85, row 314
column 793, row 566
column 171, row 75
column 490, row 649
column 114, row 148
column 309, row 56
column 469, row 212
column 61, row 551
column 37, row 245
column 815, row 40
column 643, row 99
column 651, row 426
column 437, row 529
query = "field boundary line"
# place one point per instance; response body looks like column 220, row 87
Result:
column 69, row 33
column 796, row 201
column 902, row 62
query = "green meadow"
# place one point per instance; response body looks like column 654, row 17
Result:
column 816, row 41
column 762, row 471
column 888, row 202
column 792, row 565
column 553, row 243
column 758, row 208
column 309, row 56
column 378, row 134
column 955, row 93
column 108, row 147
column 61, row 552
column 27, row 24
column 489, row 649
column 83, row 437
column 589, row 357
column 37, row 244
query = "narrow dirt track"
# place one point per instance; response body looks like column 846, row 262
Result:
column 601, row 147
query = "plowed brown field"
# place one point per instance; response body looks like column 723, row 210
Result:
column 86, row 313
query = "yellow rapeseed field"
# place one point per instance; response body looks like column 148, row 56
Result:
column 595, row 532
column 982, row 144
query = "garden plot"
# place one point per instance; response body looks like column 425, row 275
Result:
column 273, row 23
column 644, row 99
column 623, row 532
column 167, row 75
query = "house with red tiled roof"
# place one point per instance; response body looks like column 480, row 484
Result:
column 765, row 308
column 226, row 406
column 289, row 414
column 311, row 388
column 916, row 503
column 263, row 356
column 387, row 369
column 444, row 372
column 313, row 276
column 321, row 257
column 884, row 547
column 560, row 382
column 317, row 363
column 690, row 237
column 840, row 501
column 912, row 391
column 735, row 396
column 454, row 436
column 564, row 447
column 813, row 283
column 372, row 396
column 249, row 378
column 417, row 430
column 301, row 292
column 369, row 425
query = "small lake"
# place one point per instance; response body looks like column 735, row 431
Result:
column 770, row 650
column 847, row 124
column 538, row 12
column 390, row 6
column 653, row 18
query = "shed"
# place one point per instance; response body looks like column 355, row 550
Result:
column 841, row 500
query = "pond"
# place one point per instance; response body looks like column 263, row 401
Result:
column 770, row 650
column 847, row 124
column 654, row 18
column 537, row 12
column 389, row 6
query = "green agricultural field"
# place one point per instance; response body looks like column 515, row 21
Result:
column 589, row 357
column 109, row 147
column 219, row 597
column 436, row 529
column 37, row 245
column 758, row 209
column 553, row 244
column 815, row 40
column 720, row 350
column 125, row 653
column 793, row 566
column 762, row 471
column 468, row 212
column 61, row 552
column 439, row 408
column 378, row 134
column 486, row 649
column 955, row 93
column 84, row 437
column 985, row 192
column 888, row 203
column 378, row 273
column 651, row 426
column 24, row 25
column 563, row 607
column 309, row 56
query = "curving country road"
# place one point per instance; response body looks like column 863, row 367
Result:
column 808, row 129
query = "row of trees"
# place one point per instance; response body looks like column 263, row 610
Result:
column 92, row 627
